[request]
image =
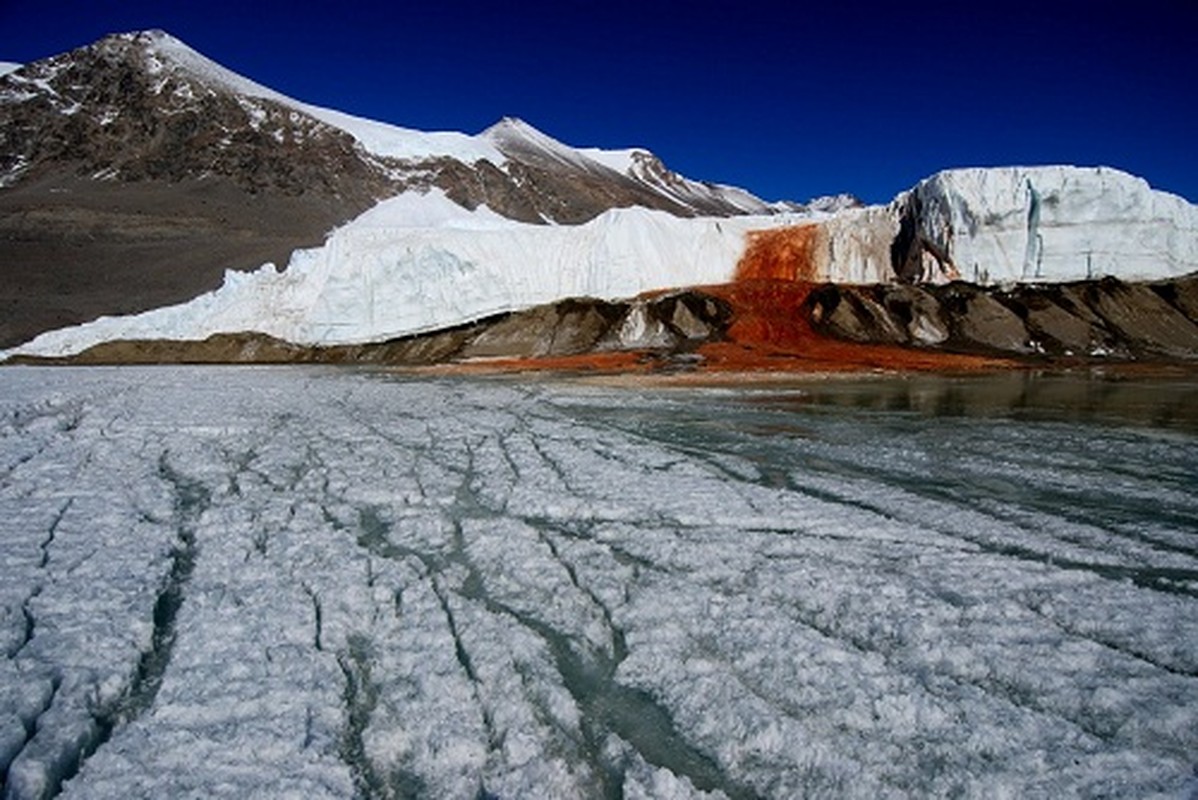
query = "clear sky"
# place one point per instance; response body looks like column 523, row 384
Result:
column 788, row 99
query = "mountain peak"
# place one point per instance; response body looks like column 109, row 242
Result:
column 146, row 105
column 514, row 136
column 163, row 53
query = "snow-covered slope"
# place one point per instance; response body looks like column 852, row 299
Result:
column 378, row 138
column 658, row 186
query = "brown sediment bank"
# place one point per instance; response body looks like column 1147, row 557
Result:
column 767, row 325
column 768, row 337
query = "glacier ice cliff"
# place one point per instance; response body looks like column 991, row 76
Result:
column 1054, row 224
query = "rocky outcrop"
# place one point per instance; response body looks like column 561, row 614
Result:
column 1105, row 319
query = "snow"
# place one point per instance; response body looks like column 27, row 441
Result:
column 420, row 262
column 621, row 161
column 378, row 138
column 638, row 164
column 7, row 67
column 320, row 583
column 514, row 132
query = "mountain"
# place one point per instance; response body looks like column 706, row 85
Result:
column 135, row 171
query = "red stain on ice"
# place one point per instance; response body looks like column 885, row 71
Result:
column 785, row 254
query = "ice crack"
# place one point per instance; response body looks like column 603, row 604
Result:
column 609, row 707
column 317, row 614
column 360, row 698
column 192, row 498
column 49, row 540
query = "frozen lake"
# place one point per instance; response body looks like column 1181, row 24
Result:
column 302, row 583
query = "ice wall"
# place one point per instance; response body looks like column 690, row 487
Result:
column 1055, row 224
column 420, row 262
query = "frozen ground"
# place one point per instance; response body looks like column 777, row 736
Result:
column 289, row 583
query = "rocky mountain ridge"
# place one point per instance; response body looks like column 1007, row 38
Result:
column 144, row 106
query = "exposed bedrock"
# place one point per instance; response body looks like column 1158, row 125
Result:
column 1089, row 320
column 1105, row 318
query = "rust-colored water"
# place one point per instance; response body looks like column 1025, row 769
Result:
column 787, row 254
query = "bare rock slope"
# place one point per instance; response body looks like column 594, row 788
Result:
column 1101, row 319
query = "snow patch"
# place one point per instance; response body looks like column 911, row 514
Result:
column 516, row 133
column 620, row 161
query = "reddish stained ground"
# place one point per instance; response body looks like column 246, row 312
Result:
column 771, row 330
column 770, row 333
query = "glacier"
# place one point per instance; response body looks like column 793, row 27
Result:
column 1057, row 224
column 335, row 583
column 419, row 262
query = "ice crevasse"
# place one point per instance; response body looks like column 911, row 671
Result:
column 419, row 262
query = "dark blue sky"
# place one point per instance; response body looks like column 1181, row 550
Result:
column 787, row 99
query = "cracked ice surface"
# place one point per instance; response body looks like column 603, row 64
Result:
column 312, row 583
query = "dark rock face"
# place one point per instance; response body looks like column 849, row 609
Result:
column 123, row 189
column 564, row 328
column 73, row 249
column 913, row 256
column 104, row 112
column 1105, row 319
